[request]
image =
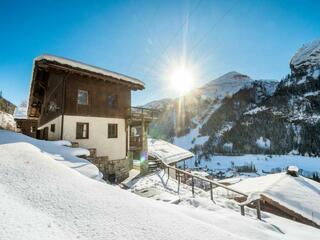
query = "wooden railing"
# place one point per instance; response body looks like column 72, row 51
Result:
column 135, row 141
column 140, row 112
column 187, row 175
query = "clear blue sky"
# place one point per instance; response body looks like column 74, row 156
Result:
column 257, row 38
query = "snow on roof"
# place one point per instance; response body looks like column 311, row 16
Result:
column 166, row 151
column 58, row 151
column 299, row 194
column 90, row 68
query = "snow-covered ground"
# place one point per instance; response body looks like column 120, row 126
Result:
column 159, row 187
column 7, row 121
column 57, row 150
column 43, row 199
column 263, row 163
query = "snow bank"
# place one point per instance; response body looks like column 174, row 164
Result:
column 7, row 121
column 296, row 193
column 166, row 151
column 58, row 151
column 42, row 199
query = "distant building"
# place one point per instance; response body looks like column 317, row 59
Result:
column 24, row 125
column 90, row 107
column 6, row 106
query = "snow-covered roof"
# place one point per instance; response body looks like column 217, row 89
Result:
column 167, row 152
column 90, row 68
column 298, row 194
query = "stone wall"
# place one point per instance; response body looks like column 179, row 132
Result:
column 114, row 171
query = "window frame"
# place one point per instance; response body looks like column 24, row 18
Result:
column 114, row 103
column 78, row 124
column 52, row 127
column 87, row 99
column 111, row 132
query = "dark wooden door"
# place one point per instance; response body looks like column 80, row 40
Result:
column 45, row 133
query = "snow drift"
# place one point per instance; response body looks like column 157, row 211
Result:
column 43, row 199
column 58, row 150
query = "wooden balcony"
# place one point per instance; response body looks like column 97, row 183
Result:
column 135, row 143
column 137, row 114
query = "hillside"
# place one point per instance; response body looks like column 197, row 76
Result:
column 184, row 117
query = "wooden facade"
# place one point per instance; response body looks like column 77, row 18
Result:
column 54, row 99
column 55, row 88
column 28, row 127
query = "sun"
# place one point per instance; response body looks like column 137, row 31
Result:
column 181, row 80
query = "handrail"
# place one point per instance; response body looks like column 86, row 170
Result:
column 153, row 113
column 205, row 179
column 256, row 201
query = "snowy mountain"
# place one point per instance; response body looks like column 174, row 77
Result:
column 251, row 116
column 306, row 58
column 198, row 106
column 227, row 84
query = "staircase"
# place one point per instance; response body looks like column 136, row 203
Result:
column 154, row 164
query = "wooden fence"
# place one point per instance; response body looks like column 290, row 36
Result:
column 213, row 184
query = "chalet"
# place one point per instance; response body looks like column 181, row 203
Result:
column 91, row 107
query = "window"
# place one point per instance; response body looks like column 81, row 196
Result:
column 112, row 101
column 82, row 97
column 33, row 129
column 112, row 130
column 52, row 127
column 82, row 131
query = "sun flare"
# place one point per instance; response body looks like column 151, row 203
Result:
column 181, row 80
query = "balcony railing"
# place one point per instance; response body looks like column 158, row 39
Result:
column 135, row 142
column 139, row 113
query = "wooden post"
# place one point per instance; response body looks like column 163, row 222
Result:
column 258, row 209
column 192, row 186
column 168, row 173
column 179, row 183
column 242, row 209
column 211, row 192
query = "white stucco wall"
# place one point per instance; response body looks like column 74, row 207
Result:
column 56, row 134
column 114, row 148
